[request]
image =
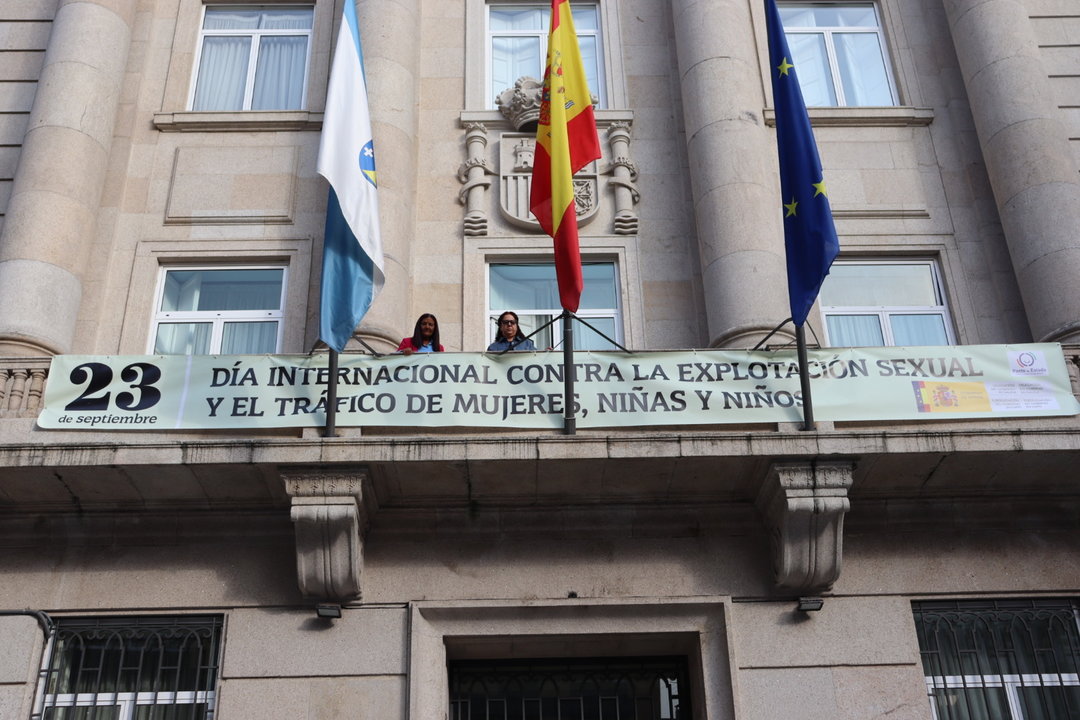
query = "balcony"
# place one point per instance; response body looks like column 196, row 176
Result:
column 1011, row 474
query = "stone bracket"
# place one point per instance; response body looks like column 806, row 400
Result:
column 331, row 512
column 803, row 505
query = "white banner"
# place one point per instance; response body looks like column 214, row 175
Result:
column 525, row 390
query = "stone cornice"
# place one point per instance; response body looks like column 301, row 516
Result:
column 898, row 116
column 252, row 121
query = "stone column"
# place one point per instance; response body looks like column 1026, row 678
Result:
column 390, row 32
column 733, row 171
column 52, row 215
column 1028, row 158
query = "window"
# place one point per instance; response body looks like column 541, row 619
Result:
column 517, row 45
column 839, row 53
column 130, row 668
column 615, row 688
column 1001, row 660
column 532, row 291
column 252, row 58
column 884, row 303
column 227, row 311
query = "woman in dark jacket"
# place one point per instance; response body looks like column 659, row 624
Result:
column 508, row 336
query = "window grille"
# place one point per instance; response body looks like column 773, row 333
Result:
column 1001, row 659
column 586, row 689
column 130, row 668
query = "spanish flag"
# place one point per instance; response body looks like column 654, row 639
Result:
column 566, row 141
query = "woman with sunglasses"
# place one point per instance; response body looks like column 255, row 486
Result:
column 508, row 335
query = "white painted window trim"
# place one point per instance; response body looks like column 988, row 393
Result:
column 884, row 311
column 830, row 48
column 478, row 58
column 218, row 318
column 542, row 35
column 614, row 313
column 1010, row 683
column 128, row 701
column 480, row 251
column 253, row 57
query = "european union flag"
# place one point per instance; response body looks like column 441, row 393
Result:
column 809, row 233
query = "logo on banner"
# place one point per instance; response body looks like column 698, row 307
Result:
column 1026, row 363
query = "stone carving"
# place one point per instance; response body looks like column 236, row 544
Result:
column 516, row 152
column 623, row 176
column 474, row 173
column 803, row 505
column 331, row 517
column 520, row 105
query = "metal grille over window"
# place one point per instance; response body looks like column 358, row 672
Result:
column 131, row 668
column 1001, row 660
column 612, row 689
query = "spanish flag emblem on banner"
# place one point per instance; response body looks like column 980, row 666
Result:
column 566, row 141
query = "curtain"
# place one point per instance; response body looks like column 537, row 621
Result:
column 222, row 74
column 255, row 338
column 854, row 331
column 918, row 330
column 279, row 75
column 183, row 339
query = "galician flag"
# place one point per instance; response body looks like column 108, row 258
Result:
column 352, row 268
column 809, row 233
column 566, row 141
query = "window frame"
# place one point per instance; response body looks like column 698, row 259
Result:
column 220, row 317
column 988, row 612
column 827, row 33
column 506, row 681
column 616, row 313
column 543, row 35
column 885, row 312
column 52, row 666
column 253, row 53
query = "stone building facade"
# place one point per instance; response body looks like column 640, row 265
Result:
column 450, row 552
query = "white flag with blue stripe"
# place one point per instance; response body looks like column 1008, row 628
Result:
column 352, row 270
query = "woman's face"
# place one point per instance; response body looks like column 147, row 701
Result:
column 427, row 328
column 508, row 326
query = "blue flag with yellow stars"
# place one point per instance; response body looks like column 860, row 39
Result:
column 809, row 233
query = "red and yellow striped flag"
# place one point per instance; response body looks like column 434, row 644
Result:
column 566, row 141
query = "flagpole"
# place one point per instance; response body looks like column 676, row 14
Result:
column 569, row 420
column 804, row 380
column 331, row 396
